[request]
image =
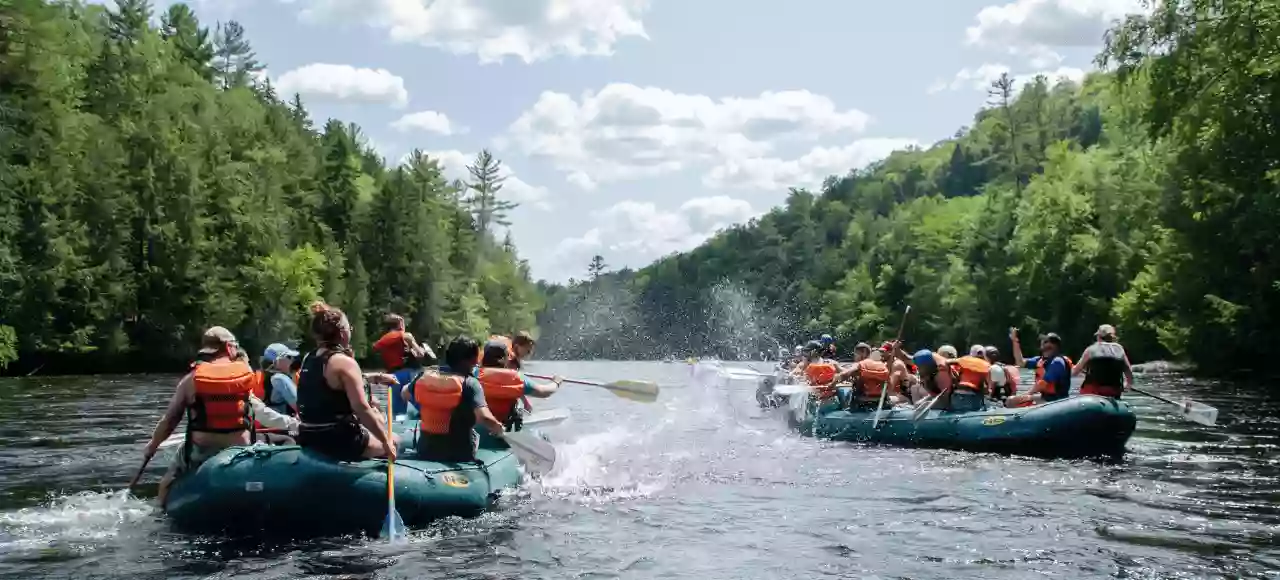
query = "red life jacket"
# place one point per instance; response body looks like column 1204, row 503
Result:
column 222, row 392
column 437, row 396
column 502, row 389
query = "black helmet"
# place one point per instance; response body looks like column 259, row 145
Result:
column 813, row 346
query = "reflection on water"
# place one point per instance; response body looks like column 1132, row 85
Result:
column 701, row 484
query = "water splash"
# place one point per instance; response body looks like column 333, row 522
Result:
column 73, row 522
column 740, row 326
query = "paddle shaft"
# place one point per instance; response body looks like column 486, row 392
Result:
column 1156, row 397
column 137, row 476
column 884, row 389
column 574, row 381
column 391, row 471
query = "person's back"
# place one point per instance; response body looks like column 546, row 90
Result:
column 450, row 403
column 1106, row 365
column 969, row 382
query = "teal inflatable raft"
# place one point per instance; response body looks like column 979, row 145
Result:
column 291, row 490
column 1082, row 426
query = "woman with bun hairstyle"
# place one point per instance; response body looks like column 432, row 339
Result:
column 337, row 419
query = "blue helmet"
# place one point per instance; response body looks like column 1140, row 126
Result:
column 826, row 339
column 923, row 357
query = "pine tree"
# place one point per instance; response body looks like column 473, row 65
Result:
column 234, row 60
column 487, row 179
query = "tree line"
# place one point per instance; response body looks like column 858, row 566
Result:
column 152, row 183
column 1145, row 196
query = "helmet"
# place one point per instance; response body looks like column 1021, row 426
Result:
column 923, row 357
column 826, row 339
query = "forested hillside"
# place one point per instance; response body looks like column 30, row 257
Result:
column 1145, row 197
column 153, row 184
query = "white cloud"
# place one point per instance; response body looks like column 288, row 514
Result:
column 807, row 171
column 429, row 122
column 632, row 233
column 454, row 166
column 529, row 30
column 625, row 132
column 1048, row 22
column 980, row 78
column 340, row 82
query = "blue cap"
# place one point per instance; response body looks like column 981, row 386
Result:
column 923, row 357
column 826, row 339
column 276, row 350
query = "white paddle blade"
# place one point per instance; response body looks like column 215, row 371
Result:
column 537, row 455
column 1199, row 412
column 393, row 528
column 788, row 390
column 548, row 418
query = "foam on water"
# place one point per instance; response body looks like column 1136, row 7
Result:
column 71, row 521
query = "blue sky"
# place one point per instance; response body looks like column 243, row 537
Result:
column 635, row 128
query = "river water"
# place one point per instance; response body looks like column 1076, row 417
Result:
column 701, row 484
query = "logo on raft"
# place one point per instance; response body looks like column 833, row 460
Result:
column 994, row 420
column 454, row 480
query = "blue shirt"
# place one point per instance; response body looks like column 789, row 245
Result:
column 1055, row 371
column 284, row 393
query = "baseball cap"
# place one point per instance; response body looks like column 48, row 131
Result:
column 977, row 350
column 992, row 352
column 948, row 351
column 276, row 350
column 862, row 346
column 214, row 339
column 1106, row 331
column 1051, row 337
column 886, row 347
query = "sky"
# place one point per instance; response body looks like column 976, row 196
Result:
column 637, row 128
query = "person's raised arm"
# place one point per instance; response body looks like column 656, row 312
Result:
column 1017, row 348
column 414, row 348
column 172, row 414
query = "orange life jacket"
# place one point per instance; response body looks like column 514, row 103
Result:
column 821, row 375
column 872, row 375
column 222, row 396
column 437, row 396
column 391, row 349
column 972, row 372
column 502, row 389
column 1064, row 384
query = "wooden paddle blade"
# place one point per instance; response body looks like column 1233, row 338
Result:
column 548, row 418
column 537, row 455
column 643, row 391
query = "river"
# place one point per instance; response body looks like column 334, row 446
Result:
column 701, row 485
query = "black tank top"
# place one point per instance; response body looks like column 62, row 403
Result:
column 318, row 404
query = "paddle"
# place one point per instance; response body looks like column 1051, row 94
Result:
column 641, row 391
column 915, row 418
column 548, row 418
column 393, row 527
column 536, row 454
column 884, row 390
column 137, row 476
column 1188, row 409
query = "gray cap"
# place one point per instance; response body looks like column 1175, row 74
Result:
column 1106, row 331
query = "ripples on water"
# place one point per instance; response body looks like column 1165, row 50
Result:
column 699, row 485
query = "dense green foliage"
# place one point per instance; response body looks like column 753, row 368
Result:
column 1145, row 197
column 151, row 184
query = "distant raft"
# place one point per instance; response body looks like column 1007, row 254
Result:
column 287, row 489
column 1078, row 427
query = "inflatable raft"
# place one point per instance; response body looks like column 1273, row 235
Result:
column 289, row 489
column 1082, row 426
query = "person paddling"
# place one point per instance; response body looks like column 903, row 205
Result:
column 337, row 417
column 452, row 403
column 504, row 386
column 1053, row 371
column 972, row 374
column 401, row 356
column 1106, row 367
column 869, row 375
column 218, row 401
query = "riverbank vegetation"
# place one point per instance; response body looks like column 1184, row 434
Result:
column 1145, row 197
column 152, row 183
